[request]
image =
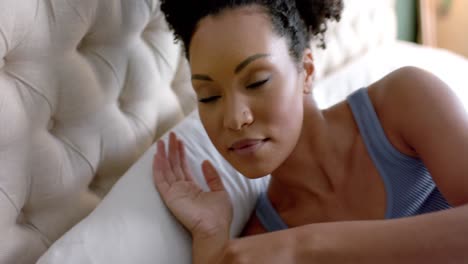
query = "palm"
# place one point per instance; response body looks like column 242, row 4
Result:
column 200, row 212
column 197, row 210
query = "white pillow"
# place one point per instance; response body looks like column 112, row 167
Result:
column 132, row 225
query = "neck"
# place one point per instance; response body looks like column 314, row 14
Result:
column 316, row 167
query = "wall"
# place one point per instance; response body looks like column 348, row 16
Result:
column 452, row 29
column 407, row 15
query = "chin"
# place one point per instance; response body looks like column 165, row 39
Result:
column 252, row 172
column 253, row 166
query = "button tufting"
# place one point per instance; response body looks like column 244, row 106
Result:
column 51, row 124
column 120, row 103
column 82, row 44
column 21, row 219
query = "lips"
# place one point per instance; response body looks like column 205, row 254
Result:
column 245, row 144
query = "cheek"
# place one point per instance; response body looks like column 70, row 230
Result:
column 284, row 117
column 284, row 108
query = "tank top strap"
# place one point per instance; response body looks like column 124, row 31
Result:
column 267, row 214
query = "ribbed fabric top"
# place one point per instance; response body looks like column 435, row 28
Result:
column 409, row 186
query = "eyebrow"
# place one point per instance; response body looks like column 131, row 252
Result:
column 238, row 69
column 250, row 59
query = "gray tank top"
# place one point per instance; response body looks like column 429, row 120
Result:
column 408, row 184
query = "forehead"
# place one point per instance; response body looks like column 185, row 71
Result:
column 232, row 36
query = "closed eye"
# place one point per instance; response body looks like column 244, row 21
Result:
column 209, row 99
column 257, row 84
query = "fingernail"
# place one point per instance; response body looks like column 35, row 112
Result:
column 208, row 165
column 162, row 145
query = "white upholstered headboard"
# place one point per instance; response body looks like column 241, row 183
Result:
column 85, row 88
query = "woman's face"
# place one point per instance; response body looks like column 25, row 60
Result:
column 249, row 89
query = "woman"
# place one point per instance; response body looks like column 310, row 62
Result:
column 378, row 178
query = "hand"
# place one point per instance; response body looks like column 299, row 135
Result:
column 204, row 214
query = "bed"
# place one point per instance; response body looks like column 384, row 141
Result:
column 87, row 86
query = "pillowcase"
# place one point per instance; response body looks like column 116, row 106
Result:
column 132, row 224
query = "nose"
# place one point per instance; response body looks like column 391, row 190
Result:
column 237, row 114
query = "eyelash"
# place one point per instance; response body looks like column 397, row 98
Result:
column 257, row 84
column 209, row 99
column 251, row 86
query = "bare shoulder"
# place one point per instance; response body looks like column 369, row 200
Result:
column 407, row 83
column 253, row 227
column 423, row 113
column 394, row 94
column 411, row 93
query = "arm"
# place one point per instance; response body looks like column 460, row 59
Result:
column 433, row 238
column 432, row 122
column 208, row 250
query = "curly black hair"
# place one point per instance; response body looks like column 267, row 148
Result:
column 299, row 20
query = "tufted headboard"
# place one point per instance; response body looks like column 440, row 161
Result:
column 365, row 25
column 86, row 86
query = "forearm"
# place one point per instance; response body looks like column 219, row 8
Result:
column 208, row 250
column 432, row 238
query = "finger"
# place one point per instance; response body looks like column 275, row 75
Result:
column 158, row 173
column 174, row 158
column 171, row 177
column 183, row 160
column 161, row 149
column 165, row 164
column 212, row 177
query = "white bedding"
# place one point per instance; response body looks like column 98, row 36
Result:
column 448, row 66
column 131, row 225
